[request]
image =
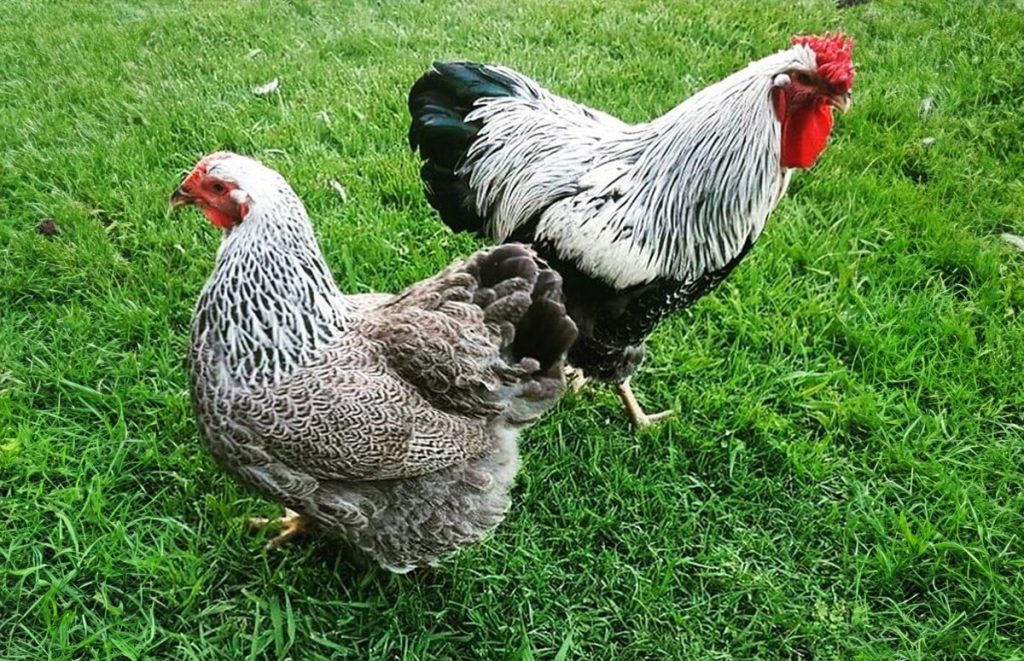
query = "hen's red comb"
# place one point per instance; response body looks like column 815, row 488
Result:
column 835, row 58
column 202, row 166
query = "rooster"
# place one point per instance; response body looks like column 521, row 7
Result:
column 640, row 220
column 389, row 421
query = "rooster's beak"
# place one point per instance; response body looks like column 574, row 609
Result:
column 842, row 101
column 181, row 197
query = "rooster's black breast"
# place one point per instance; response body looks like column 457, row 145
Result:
column 614, row 323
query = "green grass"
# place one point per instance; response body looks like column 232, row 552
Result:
column 844, row 476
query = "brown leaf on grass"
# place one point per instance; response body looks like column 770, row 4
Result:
column 48, row 227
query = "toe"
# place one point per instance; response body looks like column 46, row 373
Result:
column 658, row 417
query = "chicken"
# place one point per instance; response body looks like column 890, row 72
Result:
column 640, row 220
column 389, row 421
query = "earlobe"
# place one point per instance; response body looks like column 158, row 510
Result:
column 780, row 102
column 242, row 199
column 239, row 196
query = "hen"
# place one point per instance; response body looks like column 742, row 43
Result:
column 640, row 220
column 387, row 420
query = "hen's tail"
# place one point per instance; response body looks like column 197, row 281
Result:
column 487, row 337
column 540, row 327
column 523, row 295
column 438, row 103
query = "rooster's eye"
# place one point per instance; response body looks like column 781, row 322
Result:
column 217, row 187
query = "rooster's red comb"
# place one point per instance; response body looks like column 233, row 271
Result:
column 835, row 58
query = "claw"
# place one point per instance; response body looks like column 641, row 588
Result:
column 292, row 525
column 575, row 378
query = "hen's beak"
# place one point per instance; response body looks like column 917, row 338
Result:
column 181, row 197
column 842, row 101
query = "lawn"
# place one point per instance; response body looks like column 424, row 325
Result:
column 844, row 474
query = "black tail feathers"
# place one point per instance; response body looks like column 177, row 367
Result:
column 438, row 104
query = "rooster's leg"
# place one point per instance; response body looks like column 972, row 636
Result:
column 575, row 378
column 636, row 412
column 292, row 525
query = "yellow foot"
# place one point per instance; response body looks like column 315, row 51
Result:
column 292, row 525
column 575, row 378
column 636, row 412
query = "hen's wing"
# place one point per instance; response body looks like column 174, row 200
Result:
column 425, row 379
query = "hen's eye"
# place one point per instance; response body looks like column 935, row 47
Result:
column 217, row 187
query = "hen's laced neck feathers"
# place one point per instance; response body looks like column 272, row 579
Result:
column 271, row 302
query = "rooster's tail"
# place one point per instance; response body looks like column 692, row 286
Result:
column 439, row 103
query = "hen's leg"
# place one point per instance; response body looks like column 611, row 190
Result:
column 636, row 412
column 292, row 525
